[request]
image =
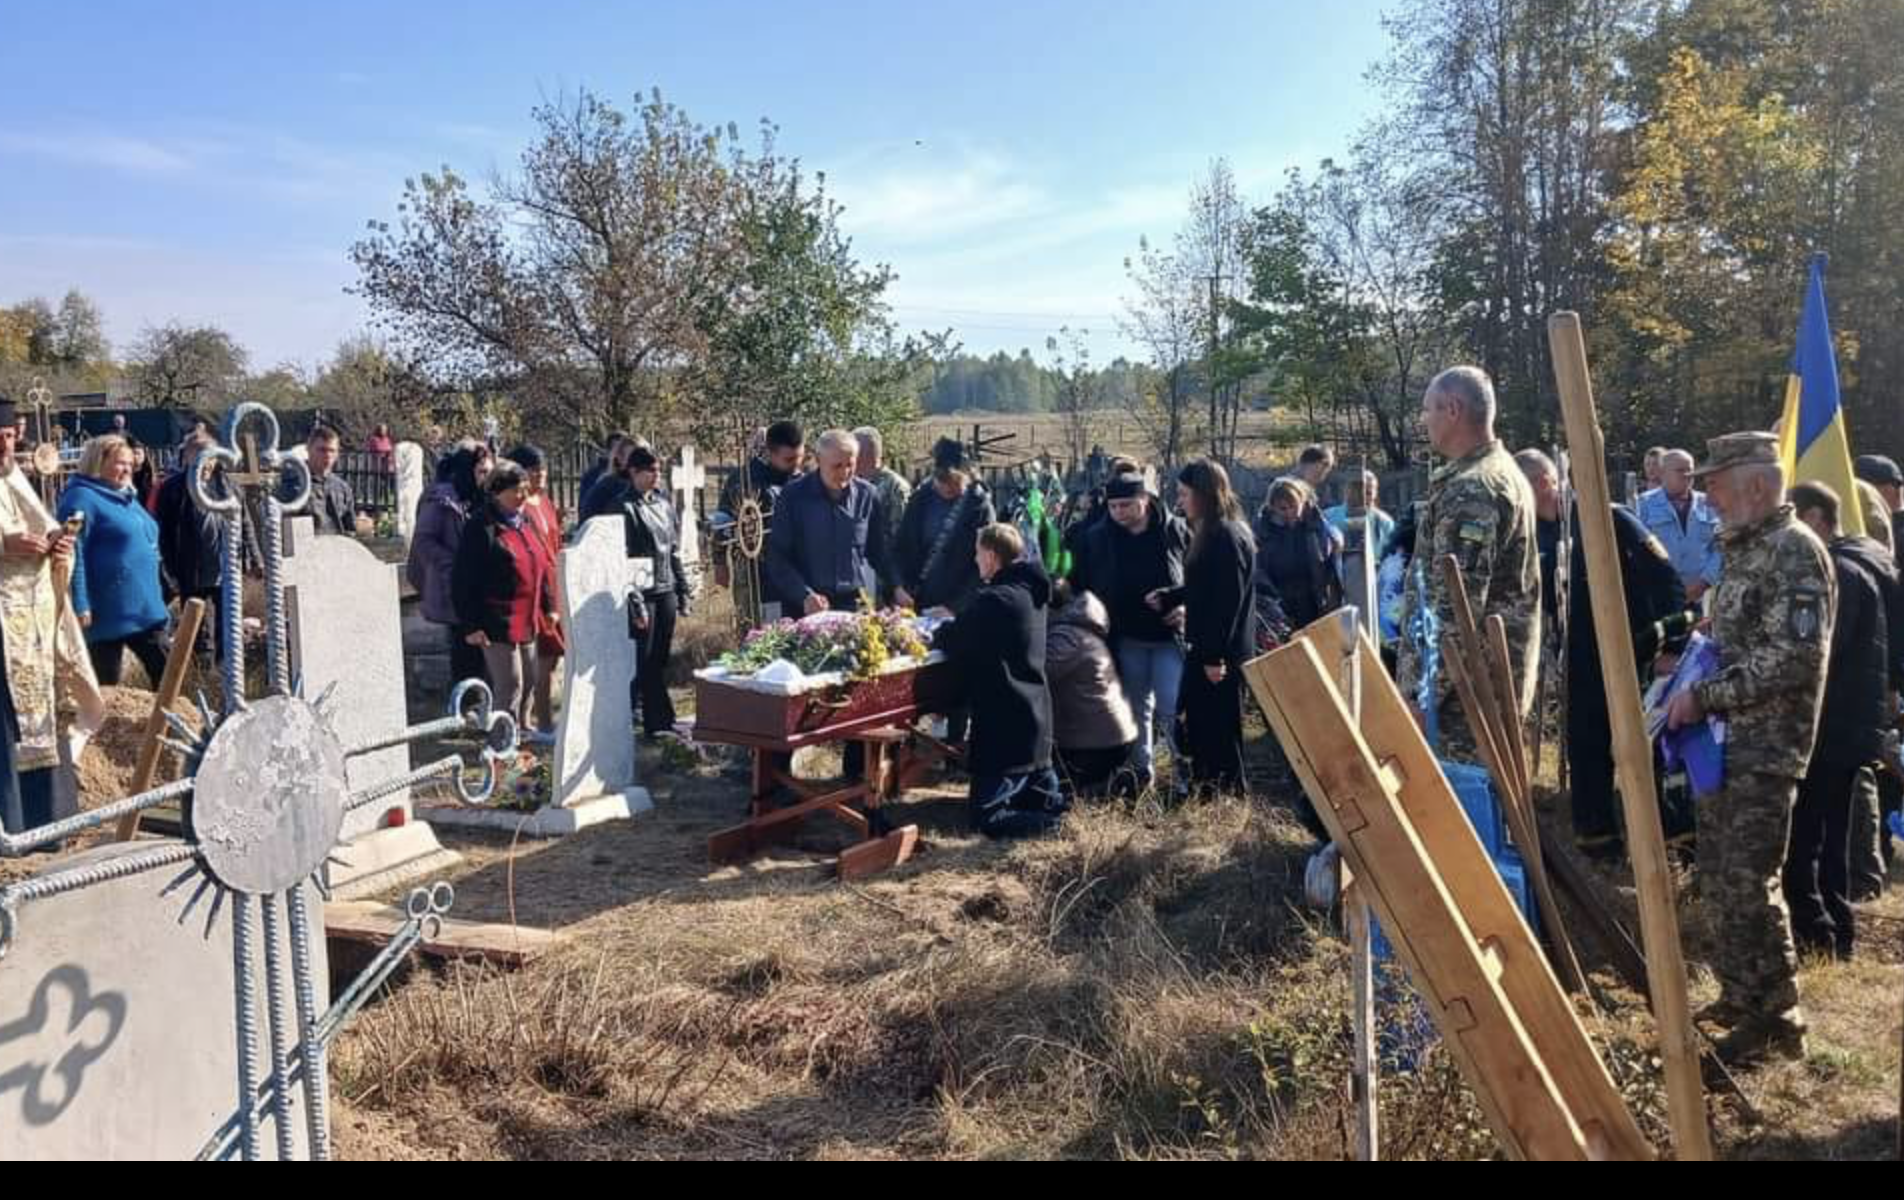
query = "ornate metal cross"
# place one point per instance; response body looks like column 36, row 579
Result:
column 264, row 798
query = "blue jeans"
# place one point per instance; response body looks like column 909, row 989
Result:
column 1011, row 806
column 1152, row 674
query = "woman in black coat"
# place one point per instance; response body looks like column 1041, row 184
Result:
column 1298, row 565
column 1218, row 597
column 654, row 533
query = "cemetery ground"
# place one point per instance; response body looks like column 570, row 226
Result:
column 1148, row 985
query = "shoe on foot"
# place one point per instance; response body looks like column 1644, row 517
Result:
column 1752, row 1043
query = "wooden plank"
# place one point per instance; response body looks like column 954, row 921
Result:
column 504, row 945
column 1438, row 832
column 178, row 666
column 1424, row 921
column 1491, row 701
column 1518, row 808
column 1632, row 751
column 880, row 854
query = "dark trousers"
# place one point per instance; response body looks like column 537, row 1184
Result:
column 33, row 800
column 1596, row 810
column 210, row 645
column 1213, row 728
column 1014, row 806
column 148, row 646
column 1817, row 865
column 1097, row 772
column 466, row 661
column 653, row 647
column 1890, row 800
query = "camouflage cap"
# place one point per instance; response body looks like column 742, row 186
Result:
column 1739, row 450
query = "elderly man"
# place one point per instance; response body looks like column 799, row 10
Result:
column 1360, row 522
column 1683, row 521
column 827, row 549
column 1771, row 619
column 1480, row 511
column 893, row 491
column 46, row 661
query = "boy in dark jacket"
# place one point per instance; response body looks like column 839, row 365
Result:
column 997, row 646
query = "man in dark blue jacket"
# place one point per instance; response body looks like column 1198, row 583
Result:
column 827, row 549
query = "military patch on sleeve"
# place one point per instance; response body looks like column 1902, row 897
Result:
column 1807, row 616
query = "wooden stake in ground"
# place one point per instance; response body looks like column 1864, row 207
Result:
column 1364, row 1072
column 1632, row 751
column 178, row 666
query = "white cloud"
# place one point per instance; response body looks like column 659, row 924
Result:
column 917, row 205
column 108, row 151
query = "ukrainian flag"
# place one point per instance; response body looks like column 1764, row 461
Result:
column 1813, row 442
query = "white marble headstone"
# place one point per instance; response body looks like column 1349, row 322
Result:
column 409, row 487
column 686, row 481
column 117, row 1013
column 595, row 746
column 347, row 631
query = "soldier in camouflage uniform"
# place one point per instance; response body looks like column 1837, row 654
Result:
column 894, row 493
column 1480, row 510
column 1771, row 619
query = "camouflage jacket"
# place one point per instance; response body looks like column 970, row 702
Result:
column 1481, row 510
column 1771, row 618
column 893, row 492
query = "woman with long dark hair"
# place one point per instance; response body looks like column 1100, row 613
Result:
column 1218, row 597
column 654, row 533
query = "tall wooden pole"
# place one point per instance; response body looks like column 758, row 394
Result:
column 151, row 745
column 1632, row 750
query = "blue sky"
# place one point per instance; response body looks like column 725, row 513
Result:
column 212, row 161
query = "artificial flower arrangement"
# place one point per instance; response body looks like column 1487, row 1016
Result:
column 856, row 645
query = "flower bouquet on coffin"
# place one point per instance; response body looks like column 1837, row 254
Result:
column 821, row 677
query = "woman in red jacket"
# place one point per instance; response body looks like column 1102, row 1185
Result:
column 539, row 511
column 503, row 587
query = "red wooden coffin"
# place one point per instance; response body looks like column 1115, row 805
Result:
column 736, row 716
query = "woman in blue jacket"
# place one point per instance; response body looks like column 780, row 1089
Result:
column 116, row 592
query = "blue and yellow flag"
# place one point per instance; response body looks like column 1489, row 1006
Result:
column 1813, row 442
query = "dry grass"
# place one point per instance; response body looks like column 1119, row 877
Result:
column 1138, row 988
column 1143, row 986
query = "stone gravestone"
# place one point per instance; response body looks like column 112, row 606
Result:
column 347, row 632
column 116, row 1019
column 594, row 768
column 686, row 481
column 410, row 482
